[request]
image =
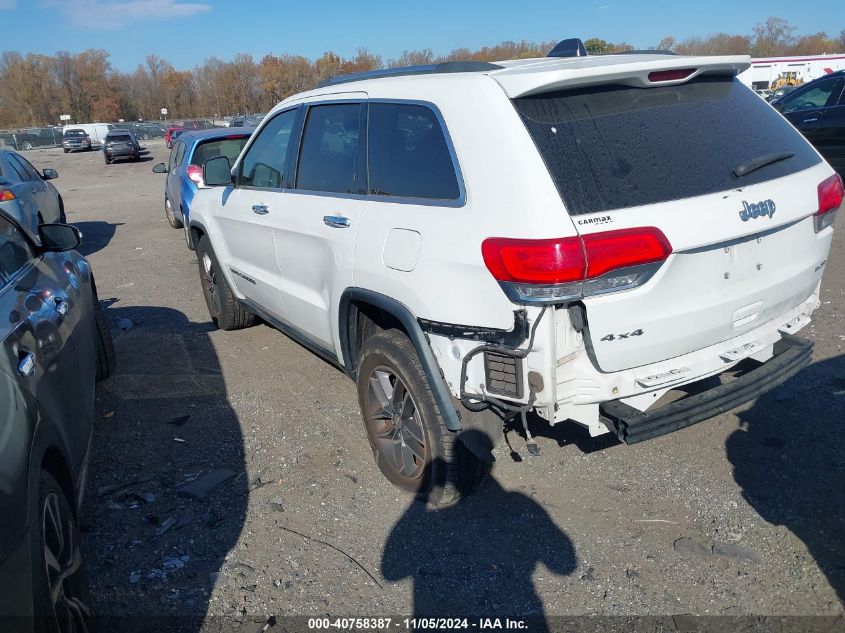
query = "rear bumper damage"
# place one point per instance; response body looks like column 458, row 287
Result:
column 791, row 354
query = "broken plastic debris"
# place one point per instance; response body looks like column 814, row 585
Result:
column 208, row 483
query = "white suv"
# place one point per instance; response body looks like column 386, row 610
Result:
column 587, row 238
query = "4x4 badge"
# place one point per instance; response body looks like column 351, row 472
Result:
column 757, row 210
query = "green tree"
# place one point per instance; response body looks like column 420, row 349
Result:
column 596, row 46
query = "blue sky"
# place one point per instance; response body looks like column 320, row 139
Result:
column 185, row 32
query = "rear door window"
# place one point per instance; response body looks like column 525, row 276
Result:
column 228, row 147
column 27, row 171
column 17, row 168
column 265, row 162
column 329, row 149
column 824, row 94
column 15, row 251
column 407, row 154
column 611, row 147
column 180, row 153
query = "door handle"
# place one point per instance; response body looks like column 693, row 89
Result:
column 61, row 306
column 813, row 120
column 27, row 365
column 260, row 209
column 336, row 221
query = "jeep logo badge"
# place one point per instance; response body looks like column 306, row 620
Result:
column 757, row 210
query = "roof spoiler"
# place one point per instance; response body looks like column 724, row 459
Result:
column 572, row 47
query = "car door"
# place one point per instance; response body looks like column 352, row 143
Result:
column 49, row 337
column 315, row 222
column 247, row 214
column 46, row 198
column 834, row 134
column 174, row 175
column 807, row 109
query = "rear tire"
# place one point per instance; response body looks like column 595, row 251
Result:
column 410, row 442
column 172, row 218
column 106, row 360
column 61, row 596
column 223, row 308
column 107, row 159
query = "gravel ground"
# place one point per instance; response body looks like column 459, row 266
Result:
column 742, row 514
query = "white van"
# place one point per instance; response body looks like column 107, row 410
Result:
column 95, row 131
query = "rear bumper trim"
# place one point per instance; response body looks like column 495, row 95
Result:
column 791, row 355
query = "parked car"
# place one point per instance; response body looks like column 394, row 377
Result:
column 817, row 109
column 637, row 248
column 197, row 124
column 96, row 132
column 56, row 343
column 238, row 121
column 765, row 93
column 170, row 134
column 30, row 138
column 75, row 139
column 146, row 131
column 781, row 92
column 26, row 195
column 184, row 168
column 120, row 144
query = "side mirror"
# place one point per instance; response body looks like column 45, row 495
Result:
column 161, row 168
column 57, row 238
column 49, row 174
column 217, row 172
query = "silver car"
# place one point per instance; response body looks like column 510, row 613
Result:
column 26, row 195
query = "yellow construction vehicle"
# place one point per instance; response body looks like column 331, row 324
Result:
column 787, row 78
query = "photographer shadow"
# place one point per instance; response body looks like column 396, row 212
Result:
column 477, row 557
column 789, row 459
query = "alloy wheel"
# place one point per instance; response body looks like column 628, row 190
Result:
column 394, row 423
column 210, row 285
column 63, row 560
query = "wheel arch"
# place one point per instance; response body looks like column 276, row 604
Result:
column 197, row 230
column 390, row 313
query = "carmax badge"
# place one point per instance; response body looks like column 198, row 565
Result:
column 757, row 210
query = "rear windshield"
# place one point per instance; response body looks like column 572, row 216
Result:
column 75, row 133
column 612, row 147
column 228, row 147
column 122, row 138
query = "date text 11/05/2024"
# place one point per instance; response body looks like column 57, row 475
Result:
column 413, row 624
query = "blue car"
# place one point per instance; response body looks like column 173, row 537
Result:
column 184, row 169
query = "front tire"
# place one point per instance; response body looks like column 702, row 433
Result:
column 410, row 442
column 62, row 214
column 223, row 307
column 62, row 599
column 107, row 159
column 172, row 219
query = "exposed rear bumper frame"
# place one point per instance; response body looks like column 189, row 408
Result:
column 792, row 354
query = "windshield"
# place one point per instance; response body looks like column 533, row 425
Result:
column 611, row 147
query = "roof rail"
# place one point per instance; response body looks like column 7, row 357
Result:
column 656, row 51
column 402, row 71
column 572, row 47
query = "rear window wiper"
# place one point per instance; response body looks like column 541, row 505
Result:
column 761, row 161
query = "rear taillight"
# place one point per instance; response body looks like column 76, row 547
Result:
column 831, row 192
column 194, row 173
column 6, row 195
column 574, row 267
